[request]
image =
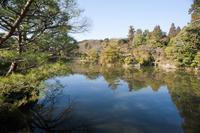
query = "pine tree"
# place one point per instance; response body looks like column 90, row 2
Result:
column 156, row 37
column 131, row 34
column 178, row 30
column 157, row 33
column 172, row 31
column 138, row 38
column 146, row 35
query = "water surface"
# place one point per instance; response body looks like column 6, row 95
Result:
column 114, row 100
column 123, row 101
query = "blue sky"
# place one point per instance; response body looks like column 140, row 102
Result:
column 112, row 18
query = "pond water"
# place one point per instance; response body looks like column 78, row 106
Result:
column 98, row 100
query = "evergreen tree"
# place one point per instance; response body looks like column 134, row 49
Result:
column 146, row 35
column 138, row 38
column 131, row 34
column 178, row 30
column 172, row 31
column 157, row 33
column 156, row 37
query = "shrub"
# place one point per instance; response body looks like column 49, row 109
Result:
column 129, row 60
column 196, row 61
column 91, row 56
column 143, row 57
column 110, row 55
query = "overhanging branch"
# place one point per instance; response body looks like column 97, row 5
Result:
column 17, row 22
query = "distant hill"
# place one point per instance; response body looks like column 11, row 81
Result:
column 87, row 45
column 97, row 45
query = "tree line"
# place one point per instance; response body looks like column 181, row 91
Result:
column 177, row 48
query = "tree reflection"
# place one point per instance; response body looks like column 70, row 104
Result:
column 183, row 87
column 54, row 116
column 111, row 76
column 185, row 93
column 91, row 72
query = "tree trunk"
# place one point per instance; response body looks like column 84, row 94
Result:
column 13, row 68
column 17, row 22
column 20, row 46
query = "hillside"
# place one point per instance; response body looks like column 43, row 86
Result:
column 87, row 45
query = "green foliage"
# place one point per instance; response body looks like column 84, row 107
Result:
column 51, row 15
column 157, row 33
column 110, row 55
column 45, row 26
column 131, row 34
column 92, row 56
column 157, row 38
column 146, row 35
column 129, row 60
column 20, row 89
column 139, row 38
column 196, row 61
column 143, row 56
column 154, row 48
column 25, row 60
column 6, row 55
column 59, row 45
column 195, row 11
column 28, row 59
column 183, row 48
column 178, row 30
column 122, row 41
column 173, row 31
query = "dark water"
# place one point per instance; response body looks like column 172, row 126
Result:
column 99, row 100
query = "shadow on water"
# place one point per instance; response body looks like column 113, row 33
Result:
column 110, row 100
column 50, row 115
column 47, row 115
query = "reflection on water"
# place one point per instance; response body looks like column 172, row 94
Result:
column 54, row 112
column 98, row 100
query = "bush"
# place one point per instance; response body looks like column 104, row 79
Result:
column 196, row 61
column 129, row 60
column 91, row 56
column 110, row 55
column 143, row 57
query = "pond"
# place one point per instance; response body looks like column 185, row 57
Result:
column 114, row 100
